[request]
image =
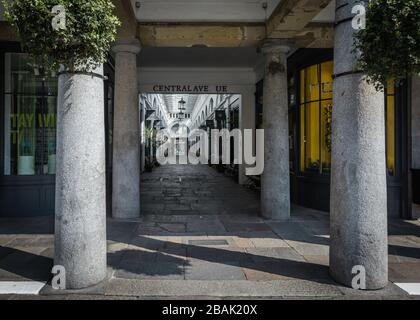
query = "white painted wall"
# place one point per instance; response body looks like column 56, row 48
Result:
column 238, row 80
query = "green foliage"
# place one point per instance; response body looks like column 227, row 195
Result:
column 389, row 47
column 90, row 29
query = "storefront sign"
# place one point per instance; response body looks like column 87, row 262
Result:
column 160, row 88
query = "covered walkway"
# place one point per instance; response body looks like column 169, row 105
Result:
column 192, row 242
column 194, row 190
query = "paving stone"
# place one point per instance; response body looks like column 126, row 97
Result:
column 243, row 242
column 273, row 254
column 173, row 227
column 155, row 271
column 284, row 270
column 247, row 227
column 169, row 251
column 22, row 241
column 269, row 243
column 391, row 291
column 211, row 288
column 309, row 248
column 207, row 227
column 48, row 253
column 213, row 254
column 4, row 240
column 317, row 259
column 204, row 270
column 295, row 231
column 404, row 272
column 116, row 246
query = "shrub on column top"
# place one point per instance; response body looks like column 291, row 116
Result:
column 388, row 47
column 76, row 34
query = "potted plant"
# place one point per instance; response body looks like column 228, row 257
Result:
column 388, row 48
column 74, row 38
column 72, row 34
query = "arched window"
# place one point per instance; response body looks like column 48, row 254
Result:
column 211, row 105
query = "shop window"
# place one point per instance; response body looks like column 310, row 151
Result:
column 315, row 118
column 30, row 118
column 292, row 105
column 390, row 127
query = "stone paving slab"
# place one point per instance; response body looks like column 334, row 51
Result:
column 270, row 254
column 233, row 288
column 204, row 270
column 148, row 270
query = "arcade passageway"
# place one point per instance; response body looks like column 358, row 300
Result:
column 195, row 190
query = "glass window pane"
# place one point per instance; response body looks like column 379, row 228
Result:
column 390, row 135
column 312, row 130
column 312, row 83
column 326, row 113
column 30, row 118
column 291, row 141
column 326, row 80
column 302, row 86
column 302, row 138
column 49, row 124
column 20, row 134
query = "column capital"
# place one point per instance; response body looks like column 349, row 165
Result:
column 276, row 46
column 130, row 46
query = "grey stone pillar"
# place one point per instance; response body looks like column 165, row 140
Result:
column 358, row 173
column 80, row 205
column 126, row 135
column 275, row 188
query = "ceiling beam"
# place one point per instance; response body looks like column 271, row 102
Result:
column 314, row 35
column 209, row 35
column 293, row 16
column 124, row 11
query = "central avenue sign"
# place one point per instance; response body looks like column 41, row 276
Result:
column 164, row 88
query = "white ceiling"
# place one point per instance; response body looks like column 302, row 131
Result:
column 203, row 10
column 198, row 57
column 171, row 102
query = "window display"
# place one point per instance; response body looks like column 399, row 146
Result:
column 315, row 117
column 30, row 118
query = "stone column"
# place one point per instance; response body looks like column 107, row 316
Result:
column 80, row 205
column 126, row 135
column 358, row 173
column 275, row 187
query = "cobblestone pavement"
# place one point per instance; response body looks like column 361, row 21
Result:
column 201, row 237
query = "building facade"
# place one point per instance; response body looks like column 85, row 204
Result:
column 283, row 66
